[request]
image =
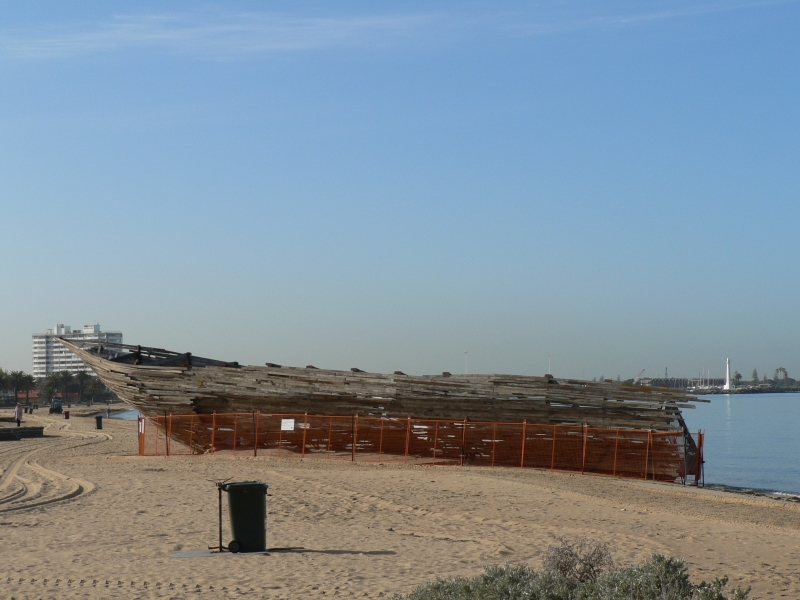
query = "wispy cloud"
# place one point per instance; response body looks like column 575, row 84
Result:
column 217, row 36
column 228, row 36
column 632, row 19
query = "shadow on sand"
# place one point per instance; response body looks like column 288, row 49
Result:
column 300, row 550
column 289, row 550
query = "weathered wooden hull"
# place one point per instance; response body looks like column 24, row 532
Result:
column 205, row 389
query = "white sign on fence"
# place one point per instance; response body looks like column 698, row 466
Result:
column 287, row 424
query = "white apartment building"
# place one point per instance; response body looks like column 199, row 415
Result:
column 50, row 357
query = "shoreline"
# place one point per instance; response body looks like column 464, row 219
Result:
column 740, row 392
column 751, row 491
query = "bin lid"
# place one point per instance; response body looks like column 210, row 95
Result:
column 245, row 485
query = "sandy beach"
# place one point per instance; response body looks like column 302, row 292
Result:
column 82, row 516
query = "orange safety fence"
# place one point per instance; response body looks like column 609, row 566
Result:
column 642, row 454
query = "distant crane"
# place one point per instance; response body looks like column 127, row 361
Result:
column 638, row 378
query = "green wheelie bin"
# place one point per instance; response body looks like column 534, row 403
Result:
column 247, row 508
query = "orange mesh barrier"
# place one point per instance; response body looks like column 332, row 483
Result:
column 615, row 452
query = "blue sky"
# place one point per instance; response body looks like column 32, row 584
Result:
column 388, row 186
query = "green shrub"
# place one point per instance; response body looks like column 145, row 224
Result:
column 660, row 578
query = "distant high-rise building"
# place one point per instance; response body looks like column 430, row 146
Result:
column 51, row 357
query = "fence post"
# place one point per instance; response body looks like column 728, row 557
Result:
column 141, row 436
column 463, row 442
column 191, row 433
column 213, row 431
column 330, row 435
column 305, row 428
column 698, row 459
column 255, row 432
column 685, row 462
column 524, row 439
column 583, row 458
column 702, row 459
column 280, row 435
column 647, row 454
column 653, row 454
column 435, row 440
column 553, row 459
column 616, row 445
column 408, row 439
column 169, row 432
column 235, row 429
column 494, row 436
column 355, row 436
column 380, row 445
column 701, row 450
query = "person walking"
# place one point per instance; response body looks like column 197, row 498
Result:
column 18, row 414
column 108, row 412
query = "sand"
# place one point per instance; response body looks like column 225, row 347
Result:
column 81, row 516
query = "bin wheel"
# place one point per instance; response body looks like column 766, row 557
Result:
column 234, row 547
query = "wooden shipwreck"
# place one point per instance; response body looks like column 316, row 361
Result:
column 495, row 420
column 159, row 382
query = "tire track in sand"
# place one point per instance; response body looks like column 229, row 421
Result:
column 25, row 484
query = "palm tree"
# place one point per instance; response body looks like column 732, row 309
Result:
column 61, row 381
column 91, row 390
column 95, row 388
column 51, row 386
column 3, row 380
column 15, row 379
column 82, row 378
column 737, row 377
column 28, row 384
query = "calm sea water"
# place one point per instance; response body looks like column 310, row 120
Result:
column 752, row 441
column 127, row 415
